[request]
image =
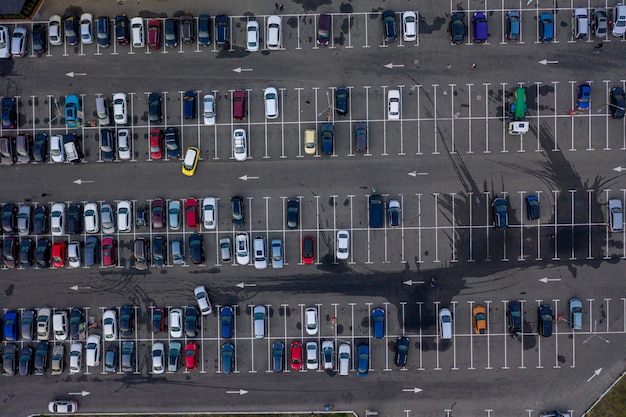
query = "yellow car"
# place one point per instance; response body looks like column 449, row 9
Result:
column 480, row 319
column 310, row 144
column 191, row 161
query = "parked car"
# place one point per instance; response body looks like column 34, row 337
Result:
column 328, row 354
column 103, row 34
column 378, row 323
column 172, row 356
column 360, row 137
column 363, row 360
column 311, row 355
column 39, row 39
column 222, row 31
column 209, row 213
column 196, row 249
column 158, row 356
column 308, row 250
column 190, row 162
column 171, row 142
column 226, row 322
column 295, row 354
column 226, row 249
column 70, row 27
column 393, row 213
column 92, row 351
column 389, row 26
column 273, row 39
column 191, row 321
column 121, row 30
column 532, row 207
column 137, row 32
column 341, row 100
column 513, row 25
column 402, row 350
column 242, row 250
column 171, row 33
column 545, row 320
column 204, row 30
column 40, row 147
column 109, row 325
column 481, row 32
column 546, row 27
column 156, row 143
column 500, row 213
column 599, row 23
column 63, row 407
column 208, row 109
column 187, row 31
column 584, row 97
column 479, row 319
column 457, row 28
column 86, row 28
column 237, row 211
column 575, row 313
column 154, row 107
column 616, row 219
column 293, row 209
column 311, row 324
column 278, row 356
column 343, row 244
column 618, row 103
column 154, row 34
column 228, row 358
column 191, row 356
column 109, row 256
column 409, row 26
column 9, row 113
column 619, row 20
column 202, row 297
column 252, row 36
column 120, row 113
column 55, row 30
column 239, row 145
column 276, row 254
column 158, row 320
column 175, row 323
column 393, row 105
column 344, row 353
column 72, row 110
column 323, row 29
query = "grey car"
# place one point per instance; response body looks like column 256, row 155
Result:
column 360, row 137
column 191, row 321
column 28, row 325
column 178, row 252
column 141, row 253
column 159, row 252
column 226, row 249
column 23, row 220
column 128, row 356
column 576, row 313
column 277, row 253
column 172, row 357
column 110, row 359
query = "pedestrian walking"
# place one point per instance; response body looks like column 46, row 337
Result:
column 280, row 7
column 474, row 66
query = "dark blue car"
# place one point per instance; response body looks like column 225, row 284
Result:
column 546, row 27
column 221, row 30
column 532, row 207
column 10, row 326
column 545, row 320
column 500, row 214
column 378, row 322
column 226, row 322
column 8, row 113
column 363, row 358
column 204, row 30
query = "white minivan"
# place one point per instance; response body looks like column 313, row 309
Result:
column 445, row 324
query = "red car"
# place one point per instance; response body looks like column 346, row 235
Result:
column 156, row 143
column 58, row 254
column 308, row 249
column 154, row 34
column 295, row 350
column 108, row 251
column 158, row 214
column 239, row 105
column 191, row 356
column 191, row 212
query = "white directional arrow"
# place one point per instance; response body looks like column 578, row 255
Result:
column 76, row 288
column 243, row 284
column 415, row 173
column 72, row 74
column 79, row 181
column 248, row 177
column 411, row 282
column 414, row 390
column 595, row 374
column 391, row 65
column 619, row 169
column 239, row 391
column 547, row 61
column 240, row 70
column 82, row 393
column 546, row 279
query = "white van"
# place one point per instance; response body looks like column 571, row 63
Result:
column 260, row 259
column 344, row 359
column 102, row 111
column 259, row 321
column 445, row 324
column 59, row 325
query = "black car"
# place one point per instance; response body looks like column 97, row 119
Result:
column 196, row 249
column 189, row 105
column 39, row 39
column 402, row 350
column 107, row 145
column 341, row 100
column 26, row 361
column 76, row 321
column 154, row 107
column 9, row 218
column 91, row 252
column 40, row 147
column 9, row 359
column 545, row 320
column 618, row 103
column 140, row 215
column 103, row 34
column 204, row 30
column 9, row 113
column 187, row 24
column 457, row 28
column 126, row 321
column 360, row 137
column 121, row 30
column 237, row 211
column 23, row 148
column 159, row 252
column 171, row 142
column 171, row 33
column 10, row 252
column 158, row 320
column 278, row 356
column 41, row 220
column 27, row 251
column 74, row 220
column 191, row 321
column 293, row 216
column 41, row 357
column 70, row 27
column 42, row 253
column 7, row 150
column 389, row 23
column 221, row 29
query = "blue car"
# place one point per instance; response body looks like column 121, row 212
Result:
column 546, row 27
column 8, row 113
column 512, row 25
column 378, row 322
column 226, row 320
column 228, row 358
column 500, row 214
column 10, row 326
column 532, row 207
column 584, row 97
column 72, row 108
column 363, row 357
column 481, row 33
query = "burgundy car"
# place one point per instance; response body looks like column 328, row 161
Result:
column 191, row 212
column 154, row 34
column 158, row 214
column 156, row 143
column 108, row 251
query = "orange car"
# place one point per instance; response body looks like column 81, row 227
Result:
column 480, row 319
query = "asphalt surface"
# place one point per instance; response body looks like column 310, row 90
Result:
column 446, row 160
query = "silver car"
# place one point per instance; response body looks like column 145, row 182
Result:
column 226, row 249
column 107, row 218
column 173, row 214
column 277, row 253
column 616, row 219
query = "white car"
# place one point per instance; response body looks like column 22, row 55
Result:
column 343, row 244
column 18, row 42
column 123, row 144
column 616, row 218
column 393, row 105
column 176, row 322
column 239, row 145
column 310, row 321
column 63, row 407
column 76, row 357
column 173, row 214
column 92, row 351
column 208, row 109
column 270, row 97
column 57, row 219
column 57, row 152
column 328, row 354
column 252, row 29
column 311, row 355
column 124, row 216
column 158, row 358
column 619, row 20
column 344, row 358
column 202, row 297
column 136, row 32
column 409, row 26
column 119, row 108
column 90, row 218
column 5, row 43
column 73, row 254
column 274, row 31
column 106, row 216
column 209, row 213
column 86, row 25
column 109, row 325
column 55, row 30
column 241, row 248
column 260, row 252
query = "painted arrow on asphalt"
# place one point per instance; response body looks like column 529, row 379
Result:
column 546, row 279
column 595, row 374
column 82, row 393
column 391, row 65
column 240, row 70
column 415, row 173
column 239, row 391
column 79, row 181
column 76, row 288
column 619, row 169
column 414, row 390
column 411, row 282
column 247, row 177
column 242, row 285
column 72, row 74
column 547, row 61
